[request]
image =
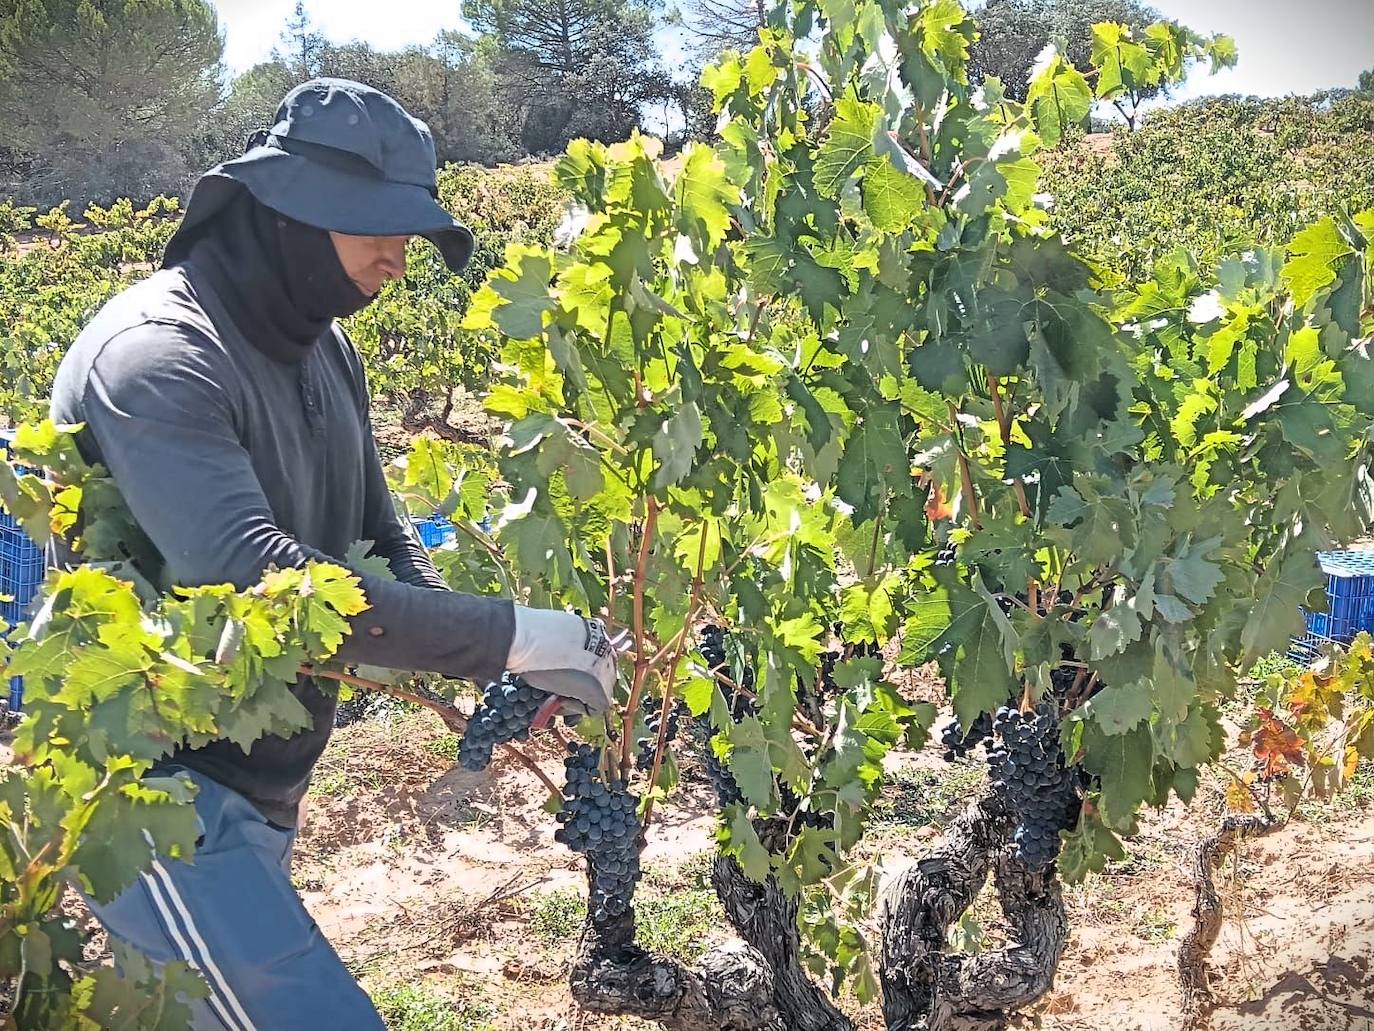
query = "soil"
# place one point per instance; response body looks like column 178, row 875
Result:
column 419, row 871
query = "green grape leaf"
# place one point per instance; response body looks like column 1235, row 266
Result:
column 818, row 426
column 874, row 465
column 114, row 844
column 1119, row 709
column 812, row 854
column 723, row 78
column 1088, row 848
column 892, row 198
column 1059, row 97
column 127, row 994
column 847, row 147
column 739, row 840
column 1113, row 630
column 1191, row 574
column 1173, row 688
column 867, row 611
column 516, row 297
column 359, row 558
column 980, row 680
column 1122, row 64
column 1276, row 613
column 704, row 197
column 676, row 443
column 749, row 760
column 943, row 27
column 942, row 615
column 1193, row 742
column 697, row 693
column 1125, row 762
column 1314, row 259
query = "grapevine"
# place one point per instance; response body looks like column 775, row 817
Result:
column 832, row 370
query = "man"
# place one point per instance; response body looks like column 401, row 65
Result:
column 232, row 412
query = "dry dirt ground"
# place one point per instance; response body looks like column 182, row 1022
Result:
column 445, row 892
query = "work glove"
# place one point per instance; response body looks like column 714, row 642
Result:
column 566, row 655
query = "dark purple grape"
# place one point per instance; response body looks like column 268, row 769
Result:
column 600, row 820
column 1028, row 773
column 958, row 742
column 506, row 713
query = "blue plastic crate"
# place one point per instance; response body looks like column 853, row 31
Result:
column 22, row 568
column 434, row 530
column 1309, row 647
column 1349, row 602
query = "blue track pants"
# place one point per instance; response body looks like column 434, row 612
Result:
column 233, row 914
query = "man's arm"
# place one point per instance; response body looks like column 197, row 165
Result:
column 165, row 430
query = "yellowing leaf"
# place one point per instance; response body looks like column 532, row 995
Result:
column 1239, row 798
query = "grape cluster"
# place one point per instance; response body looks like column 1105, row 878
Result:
column 814, row 692
column 505, row 714
column 959, row 742
column 947, row 555
column 359, row 707
column 1029, row 774
column 599, row 820
column 648, row 745
column 712, row 648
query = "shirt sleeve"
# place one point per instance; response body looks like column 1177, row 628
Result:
column 164, row 426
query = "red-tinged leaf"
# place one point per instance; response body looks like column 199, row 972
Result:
column 1277, row 748
column 938, row 507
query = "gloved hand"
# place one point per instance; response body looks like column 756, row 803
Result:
column 566, row 655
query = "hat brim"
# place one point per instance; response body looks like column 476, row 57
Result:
column 329, row 198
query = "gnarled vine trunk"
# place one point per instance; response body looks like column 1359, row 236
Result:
column 926, row 986
column 730, row 989
column 760, row 983
column 1196, row 945
column 767, row 919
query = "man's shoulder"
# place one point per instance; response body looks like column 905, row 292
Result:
column 162, row 307
column 154, row 327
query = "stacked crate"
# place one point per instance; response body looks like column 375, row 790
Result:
column 22, row 568
column 434, row 531
column 1349, row 602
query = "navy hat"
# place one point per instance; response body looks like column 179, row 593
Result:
column 343, row 157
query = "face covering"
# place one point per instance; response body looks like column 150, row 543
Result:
column 280, row 280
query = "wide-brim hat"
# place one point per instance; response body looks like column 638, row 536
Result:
column 342, row 157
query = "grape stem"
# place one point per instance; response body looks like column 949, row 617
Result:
column 825, row 86
column 1004, row 428
column 965, row 475
column 670, row 682
column 610, row 580
column 754, row 320
column 877, row 535
column 799, row 722
column 927, row 154
column 642, row 661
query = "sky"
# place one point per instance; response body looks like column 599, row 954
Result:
column 1285, row 47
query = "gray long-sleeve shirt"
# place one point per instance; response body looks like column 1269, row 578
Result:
column 231, row 461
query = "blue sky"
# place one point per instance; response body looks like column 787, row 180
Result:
column 1285, row 47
